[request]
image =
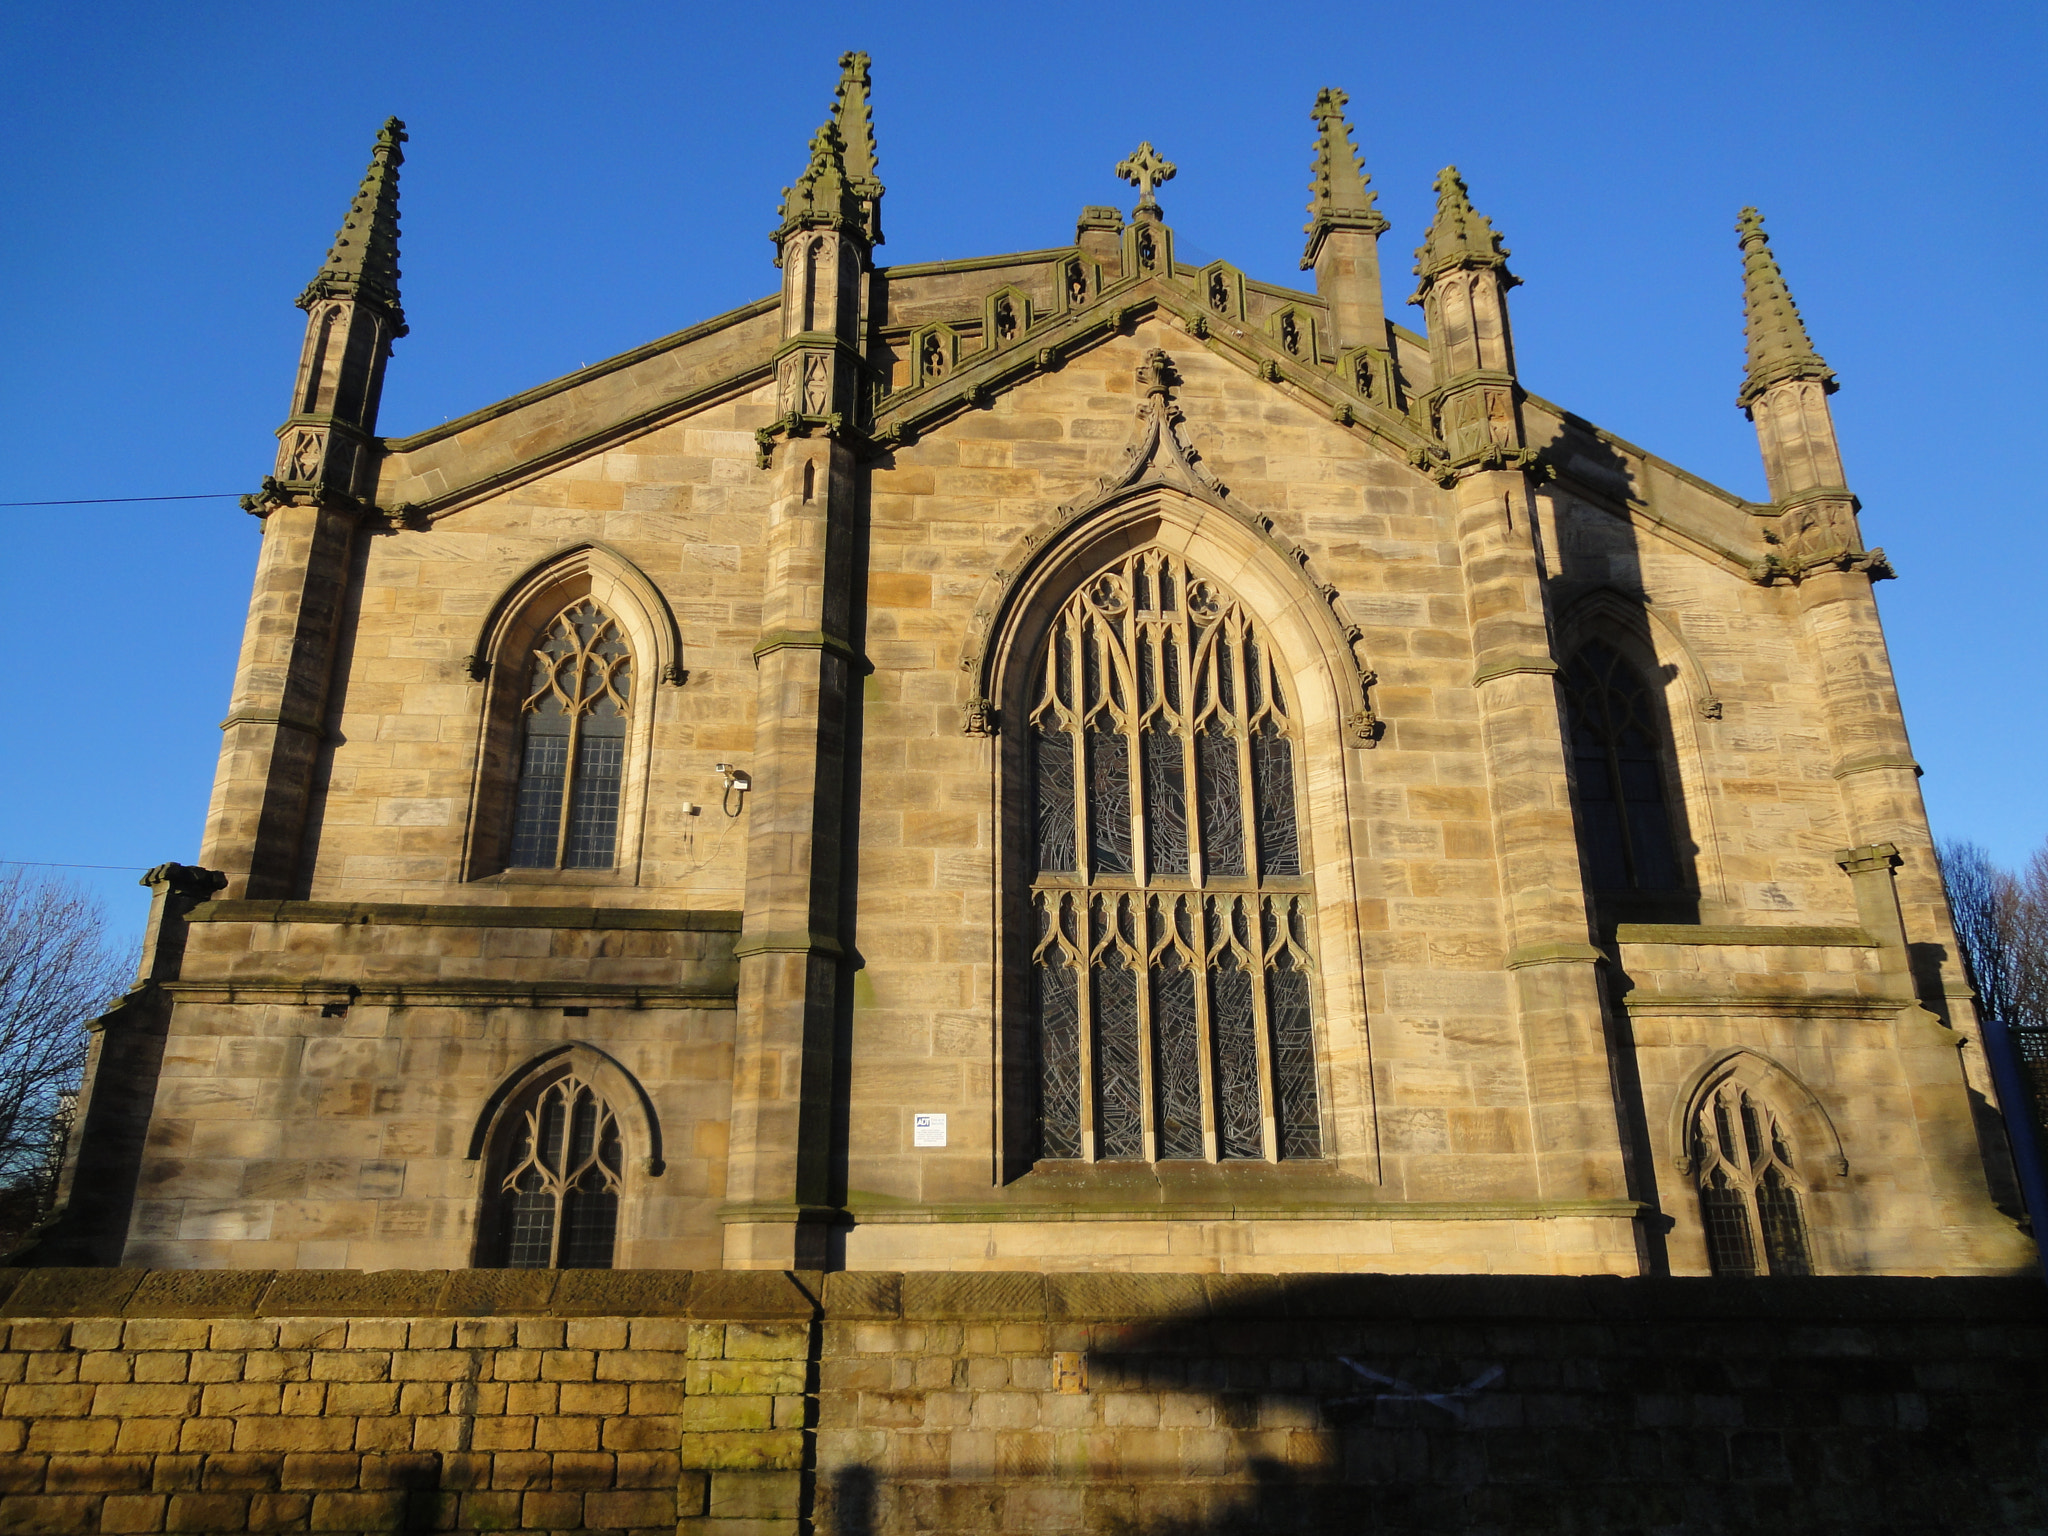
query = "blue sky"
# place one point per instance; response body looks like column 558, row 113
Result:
column 582, row 179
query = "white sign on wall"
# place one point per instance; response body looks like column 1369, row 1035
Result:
column 927, row 1130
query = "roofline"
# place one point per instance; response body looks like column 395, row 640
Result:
column 568, row 381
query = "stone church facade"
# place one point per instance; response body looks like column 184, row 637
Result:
column 1065, row 760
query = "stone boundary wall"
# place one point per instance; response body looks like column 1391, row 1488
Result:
column 730, row 1403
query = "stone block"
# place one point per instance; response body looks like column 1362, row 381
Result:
column 492, row 1292
column 198, row 1293
column 71, row 1293
column 628, row 1509
column 1015, row 1296
column 744, row 1451
column 353, row 1293
column 749, row 1295
column 766, row 1341
column 207, row 1512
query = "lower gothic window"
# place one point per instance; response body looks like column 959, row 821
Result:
column 1624, row 821
column 1172, row 978
column 1749, row 1196
column 573, row 753
column 556, row 1179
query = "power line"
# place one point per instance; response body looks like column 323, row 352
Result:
column 45, row 864
column 113, row 501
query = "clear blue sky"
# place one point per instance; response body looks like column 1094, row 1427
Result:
column 582, row 178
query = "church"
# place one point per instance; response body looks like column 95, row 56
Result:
column 1063, row 760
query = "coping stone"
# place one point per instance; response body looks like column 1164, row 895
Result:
column 354, row 1293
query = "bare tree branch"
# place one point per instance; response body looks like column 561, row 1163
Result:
column 57, row 970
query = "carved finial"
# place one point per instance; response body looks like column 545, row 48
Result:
column 823, row 195
column 851, row 116
column 363, row 262
column 1146, row 169
column 1460, row 235
column 1340, row 195
column 1778, row 345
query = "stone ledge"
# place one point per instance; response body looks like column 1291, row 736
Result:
column 405, row 914
column 773, row 1296
column 1753, row 934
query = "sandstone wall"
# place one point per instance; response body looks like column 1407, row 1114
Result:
column 861, row 1404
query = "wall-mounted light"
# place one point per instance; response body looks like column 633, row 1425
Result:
column 737, row 782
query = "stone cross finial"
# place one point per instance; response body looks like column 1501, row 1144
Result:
column 1145, row 170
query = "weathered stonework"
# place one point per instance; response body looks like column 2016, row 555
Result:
column 830, row 530
column 882, row 1404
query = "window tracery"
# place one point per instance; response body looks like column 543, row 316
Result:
column 1618, row 779
column 572, row 759
column 556, row 1180
column 1749, row 1194
column 1171, row 973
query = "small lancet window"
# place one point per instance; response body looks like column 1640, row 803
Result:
column 932, row 358
column 1624, row 821
column 1749, row 1195
column 556, row 1179
column 1290, row 333
column 1006, row 320
column 1077, row 285
column 1219, row 293
column 1171, row 971
column 572, row 760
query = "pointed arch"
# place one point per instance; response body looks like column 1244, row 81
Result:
column 621, row 1087
column 1316, row 671
column 560, row 1149
column 1820, row 1156
column 608, row 578
column 605, row 601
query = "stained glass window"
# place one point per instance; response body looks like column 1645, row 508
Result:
column 572, row 759
column 557, row 1179
column 1749, row 1195
column 1171, row 977
column 1624, row 822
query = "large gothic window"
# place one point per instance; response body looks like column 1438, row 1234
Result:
column 1749, row 1195
column 1624, row 822
column 1172, row 981
column 555, row 1179
column 573, row 753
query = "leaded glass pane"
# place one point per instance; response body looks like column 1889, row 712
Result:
column 1234, row 1024
column 1222, row 803
column 537, row 816
column 1777, row 1205
column 1178, row 1062
column 1273, row 789
column 1109, row 801
column 1294, row 1059
column 1119, row 1111
column 1053, row 757
column 1059, row 1057
column 1166, row 803
column 594, row 805
column 1730, row 1249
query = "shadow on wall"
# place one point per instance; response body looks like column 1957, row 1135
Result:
column 1475, row 1404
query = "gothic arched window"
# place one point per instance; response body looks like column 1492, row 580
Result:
column 572, row 758
column 1169, row 931
column 1749, row 1195
column 554, row 1182
column 1624, row 820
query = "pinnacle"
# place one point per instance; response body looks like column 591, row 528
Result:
column 850, row 115
column 1460, row 235
column 363, row 261
column 839, row 186
column 1778, row 345
column 1340, row 196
